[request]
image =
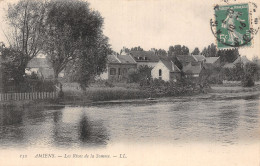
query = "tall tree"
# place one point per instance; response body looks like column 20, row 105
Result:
column 91, row 61
column 178, row 50
column 210, row 51
column 228, row 56
column 71, row 29
column 137, row 48
column 196, row 51
column 26, row 27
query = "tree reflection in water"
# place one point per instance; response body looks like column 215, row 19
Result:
column 92, row 132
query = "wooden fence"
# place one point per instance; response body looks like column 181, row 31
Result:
column 28, row 96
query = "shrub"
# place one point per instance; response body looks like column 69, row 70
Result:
column 247, row 81
column 141, row 74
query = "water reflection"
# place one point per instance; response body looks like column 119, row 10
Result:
column 92, row 132
column 11, row 122
column 73, row 128
column 227, row 122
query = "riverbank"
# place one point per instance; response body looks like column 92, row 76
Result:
column 117, row 95
column 123, row 92
column 132, row 94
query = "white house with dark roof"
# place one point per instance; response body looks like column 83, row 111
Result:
column 166, row 70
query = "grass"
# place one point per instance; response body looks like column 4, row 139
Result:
column 115, row 93
column 73, row 93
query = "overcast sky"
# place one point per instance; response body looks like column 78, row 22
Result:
column 156, row 23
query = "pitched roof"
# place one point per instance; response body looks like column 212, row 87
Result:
column 112, row 59
column 170, row 66
column 229, row 65
column 211, row 59
column 185, row 59
column 146, row 56
column 199, row 57
column 125, row 59
column 120, row 59
column 191, row 69
column 38, row 62
column 242, row 59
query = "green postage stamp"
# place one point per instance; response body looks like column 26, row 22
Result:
column 232, row 23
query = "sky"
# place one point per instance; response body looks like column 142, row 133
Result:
column 156, row 23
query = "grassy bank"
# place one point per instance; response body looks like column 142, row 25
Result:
column 121, row 91
column 104, row 94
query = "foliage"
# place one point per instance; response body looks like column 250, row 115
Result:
column 178, row 50
column 142, row 73
column 244, row 73
column 210, row 51
column 234, row 74
column 26, row 27
column 73, row 31
column 196, row 51
column 228, row 56
column 157, row 87
column 247, row 81
column 12, row 67
column 215, row 77
column 251, row 71
column 91, row 62
column 37, row 85
column 137, row 48
column 127, row 50
column 159, row 52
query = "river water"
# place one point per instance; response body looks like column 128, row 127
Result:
column 224, row 122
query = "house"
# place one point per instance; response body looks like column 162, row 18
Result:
column 191, row 64
column 199, row 58
column 215, row 61
column 42, row 68
column 166, row 70
column 185, row 59
column 118, row 67
column 240, row 59
column 193, row 69
column 148, row 58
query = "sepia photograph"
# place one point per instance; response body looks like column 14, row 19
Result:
column 129, row 82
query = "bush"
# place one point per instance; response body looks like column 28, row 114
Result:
column 143, row 73
column 247, row 81
column 157, row 87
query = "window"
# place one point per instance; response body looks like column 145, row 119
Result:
column 119, row 71
column 112, row 71
column 145, row 58
column 160, row 74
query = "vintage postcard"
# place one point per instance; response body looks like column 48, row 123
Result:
column 129, row 82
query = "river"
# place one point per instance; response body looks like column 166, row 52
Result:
column 177, row 122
